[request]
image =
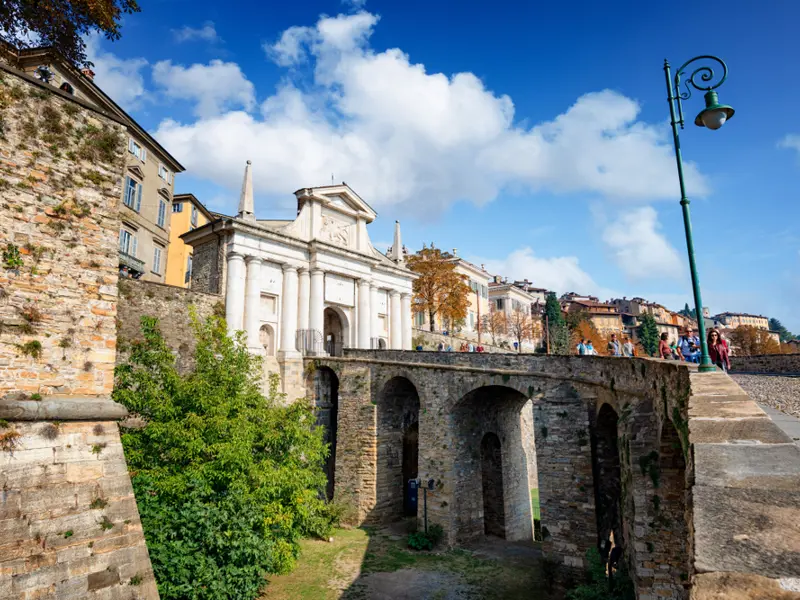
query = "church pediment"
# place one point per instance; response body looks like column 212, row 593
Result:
column 339, row 198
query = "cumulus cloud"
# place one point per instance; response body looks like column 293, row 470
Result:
column 559, row 274
column 213, row 88
column 206, row 33
column 399, row 134
column 121, row 79
column 639, row 248
column 791, row 141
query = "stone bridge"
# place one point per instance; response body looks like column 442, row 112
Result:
column 681, row 469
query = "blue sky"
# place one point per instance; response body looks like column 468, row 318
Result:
column 535, row 139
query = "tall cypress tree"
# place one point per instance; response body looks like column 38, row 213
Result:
column 648, row 334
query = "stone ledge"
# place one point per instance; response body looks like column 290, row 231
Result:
column 737, row 586
column 748, row 465
column 719, row 430
column 63, row 408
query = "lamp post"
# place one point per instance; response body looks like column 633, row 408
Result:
column 713, row 116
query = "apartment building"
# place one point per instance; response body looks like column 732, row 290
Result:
column 731, row 320
column 507, row 297
column 188, row 213
column 605, row 317
column 148, row 174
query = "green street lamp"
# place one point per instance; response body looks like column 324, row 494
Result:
column 713, row 116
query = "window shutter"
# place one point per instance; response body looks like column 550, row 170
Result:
column 131, row 146
column 139, row 197
column 134, row 244
column 122, row 240
column 144, row 154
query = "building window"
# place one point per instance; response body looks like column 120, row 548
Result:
column 500, row 304
column 162, row 213
column 165, row 173
column 133, row 194
column 65, row 87
column 419, row 320
column 484, row 291
column 471, row 320
column 137, row 150
column 188, row 274
column 157, row 260
column 177, row 207
column 194, row 216
column 127, row 242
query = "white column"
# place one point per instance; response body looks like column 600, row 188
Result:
column 289, row 308
column 305, row 292
column 252, row 305
column 364, row 314
column 317, row 301
column 395, row 328
column 375, row 321
column 405, row 307
column 234, row 292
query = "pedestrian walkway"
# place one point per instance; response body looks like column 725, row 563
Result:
column 789, row 424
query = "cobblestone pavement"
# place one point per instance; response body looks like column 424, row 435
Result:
column 780, row 393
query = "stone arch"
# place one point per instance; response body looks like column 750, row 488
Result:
column 494, row 520
column 398, row 447
column 607, row 479
column 494, row 409
column 325, row 389
column 266, row 338
column 336, row 330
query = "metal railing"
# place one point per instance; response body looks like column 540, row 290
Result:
column 309, row 341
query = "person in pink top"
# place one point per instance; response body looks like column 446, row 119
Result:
column 718, row 350
column 664, row 351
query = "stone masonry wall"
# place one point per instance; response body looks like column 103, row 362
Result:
column 430, row 341
column 788, row 364
column 170, row 305
column 69, row 526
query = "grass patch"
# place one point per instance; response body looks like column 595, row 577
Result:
column 331, row 570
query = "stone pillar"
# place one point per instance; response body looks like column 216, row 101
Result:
column 395, row 327
column 317, row 301
column 289, row 309
column 375, row 321
column 405, row 306
column 303, row 300
column 253, row 302
column 364, row 314
column 234, row 292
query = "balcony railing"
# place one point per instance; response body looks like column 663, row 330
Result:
column 131, row 263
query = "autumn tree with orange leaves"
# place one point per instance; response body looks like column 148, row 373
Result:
column 62, row 24
column 495, row 323
column 748, row 341
column 438, row 288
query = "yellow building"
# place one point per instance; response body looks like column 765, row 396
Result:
column 187, row 214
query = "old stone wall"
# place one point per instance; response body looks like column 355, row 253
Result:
column 170, row 305
column 430, row 341
column 786, row 364
column 69, row 526
column 208, row 267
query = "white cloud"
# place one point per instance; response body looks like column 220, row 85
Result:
column 401, row 135
column 206, row 33
column 214, row 87
column 121, row 79
column 559, row 274
column 791, row 141
column 639, row 248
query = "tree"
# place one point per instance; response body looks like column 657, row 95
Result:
column 552, row 310
column 62, row 24
column 688, row 312
column 226, row 480
column 585, row 330
column 438, row 289
column 522, row 327
column 747, row 340
column 648, row 334
column 777, row 326
column 494, row 323
column 555, row 326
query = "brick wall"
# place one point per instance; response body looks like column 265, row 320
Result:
column 788, row 364
column 69, row 526
column 170, row 305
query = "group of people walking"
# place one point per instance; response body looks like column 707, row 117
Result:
column 687, row 348
column 614, row 348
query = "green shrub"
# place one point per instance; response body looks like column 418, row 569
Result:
column 598, row 587
column 226, row 480
column 420, row 540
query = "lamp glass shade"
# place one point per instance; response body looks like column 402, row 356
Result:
column 714, row 115
column 714, row 119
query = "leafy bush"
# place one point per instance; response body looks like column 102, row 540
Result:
column 598, row 586
column 420, row 540
column 226, row 480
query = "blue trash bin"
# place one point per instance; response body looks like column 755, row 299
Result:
column 411, row 497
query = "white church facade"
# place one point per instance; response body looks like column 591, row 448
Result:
column 312, row 285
